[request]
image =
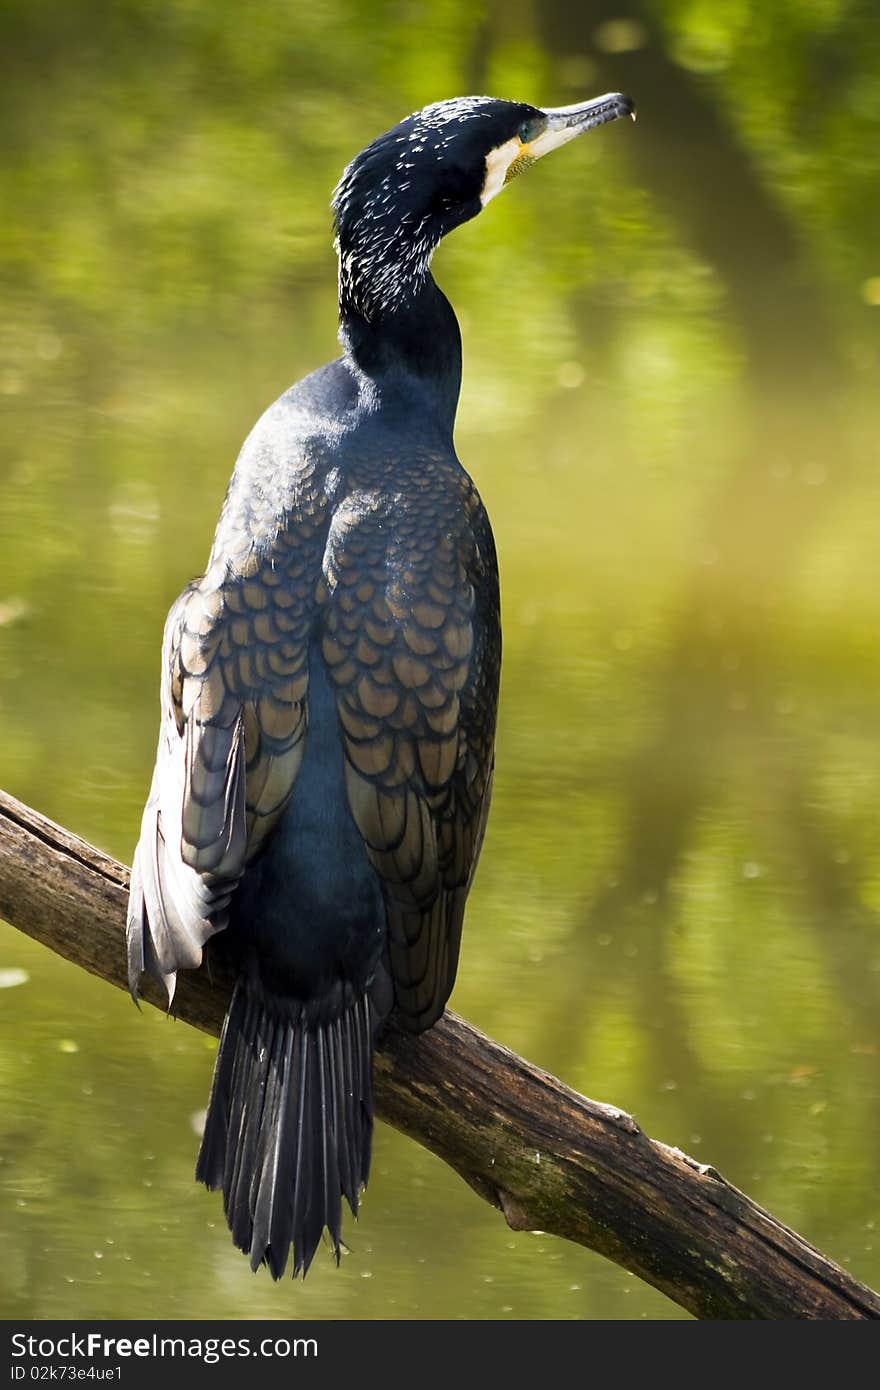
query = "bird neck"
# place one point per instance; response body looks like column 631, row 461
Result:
column 416, row 342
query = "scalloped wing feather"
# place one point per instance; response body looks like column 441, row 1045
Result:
column 412, row 642
column 233, row 690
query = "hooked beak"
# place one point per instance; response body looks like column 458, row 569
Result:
column 552, row 128
column 563, row 123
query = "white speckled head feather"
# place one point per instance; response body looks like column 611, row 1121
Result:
column 401, row 194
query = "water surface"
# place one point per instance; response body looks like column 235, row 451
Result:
column 671, row 408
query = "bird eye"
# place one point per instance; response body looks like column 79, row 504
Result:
column 525, row 132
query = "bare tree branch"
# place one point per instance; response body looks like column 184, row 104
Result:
column 548, row 1158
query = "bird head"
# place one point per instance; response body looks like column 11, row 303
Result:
column 428, row 175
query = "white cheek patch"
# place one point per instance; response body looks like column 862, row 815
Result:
column 551, row 139
column 498, row 161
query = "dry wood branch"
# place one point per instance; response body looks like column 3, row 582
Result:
column 548, row 1158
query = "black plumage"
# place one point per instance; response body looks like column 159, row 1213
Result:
column 328, row 696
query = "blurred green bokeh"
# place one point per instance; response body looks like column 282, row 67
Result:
column 671, row 407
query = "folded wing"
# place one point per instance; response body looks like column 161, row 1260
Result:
column 412, row 642
column 233, row 692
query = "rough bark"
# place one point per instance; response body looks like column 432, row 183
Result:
column 547, row 1157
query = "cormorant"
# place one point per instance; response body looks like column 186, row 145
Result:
column 328, row 699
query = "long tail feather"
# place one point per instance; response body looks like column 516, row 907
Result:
column 289, row 1126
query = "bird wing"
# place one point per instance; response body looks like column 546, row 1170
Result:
column 233, row 692
column 412, row 641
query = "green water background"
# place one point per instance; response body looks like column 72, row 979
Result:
column 671, row 407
